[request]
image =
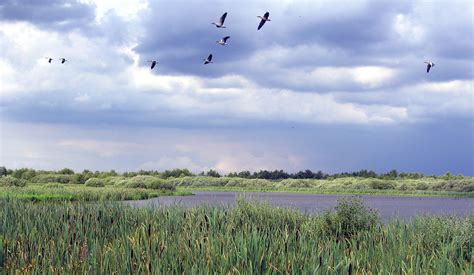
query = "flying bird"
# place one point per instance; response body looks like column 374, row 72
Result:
column 428, row 67
column 49, row 59
column 153, row 64
column 221, row 21
column 208, row 59
column 63, row 60
column 264, row 19
column 223, row 41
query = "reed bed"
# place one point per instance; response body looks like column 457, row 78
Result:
column 79, row 192
column 107, row 238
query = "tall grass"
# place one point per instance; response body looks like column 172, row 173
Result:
column 110, row 238
column 61, row 192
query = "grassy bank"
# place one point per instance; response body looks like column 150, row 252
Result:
column 81, row 192
column 330, row 191
column 113, row 238
column 350, row 185
column 58, row 186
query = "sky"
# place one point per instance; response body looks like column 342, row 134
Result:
column 325, row 85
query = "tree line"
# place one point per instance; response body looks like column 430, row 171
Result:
column 81, row 177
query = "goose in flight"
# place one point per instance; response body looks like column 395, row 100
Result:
column 223, row 41
column 428, row 67
column 221, row 21
column 153, row 64
column 208, row 59
column 63, row 60
column 49, row 59
column 264, row 19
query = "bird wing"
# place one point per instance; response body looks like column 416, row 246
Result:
column 225, row 38
column 428, row 68
column 209, row 58
column 221, row 21
column 262, row 22
column 153, row 64
column 266, row 15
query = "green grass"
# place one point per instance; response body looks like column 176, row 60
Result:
column 106, row 238
column 418, row 193
column 80, row 192
column 351, row 185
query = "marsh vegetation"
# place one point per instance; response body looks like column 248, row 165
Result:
column 249, row 238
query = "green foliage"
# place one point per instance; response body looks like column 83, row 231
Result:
column 176, row 173
column 95, row 182
column 66, row 171
column 105, row 238
column 78, row 179
column 379, row 184
column 45, row 178
column 9, row 181
column 24, row 173
column 3, row 171
column 351, row 217
column 148, row 182
column 213, row 173
column 53, row 185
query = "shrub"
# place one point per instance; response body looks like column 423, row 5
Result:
column 95, row 182
column 350, row 217
column 148, row 182
column 78, row 179
column 45, row 178
column 381, row 184
column 421, row 186
column 10, row 181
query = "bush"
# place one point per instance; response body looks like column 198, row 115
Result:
column 95, row 182
column 45, row 178
column 78, row 179
column 148, row 182
column 350, row 217
column 421, row 186
column 10, row 181
column 381, row 184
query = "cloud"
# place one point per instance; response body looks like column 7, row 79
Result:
column 319, row 64
column 51, row 14
column 102, row 148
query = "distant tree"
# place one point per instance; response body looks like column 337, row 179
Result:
column 28, row 174
column 19, row 172
column 244, row 174
column 3, row 171
column 447, row 176
column 391, row 175
column 213, row 173
column 66, row 171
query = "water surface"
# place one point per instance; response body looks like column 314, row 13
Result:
column 389, row 207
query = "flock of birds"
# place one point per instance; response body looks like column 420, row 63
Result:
column 223, row 42
column 63, row 60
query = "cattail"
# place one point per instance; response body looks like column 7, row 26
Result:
column 349, row 271
column 149, row 230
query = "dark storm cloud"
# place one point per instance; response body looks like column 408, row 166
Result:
column 314, row 35
column 54, row 14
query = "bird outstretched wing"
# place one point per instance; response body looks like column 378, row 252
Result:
column 221, row 21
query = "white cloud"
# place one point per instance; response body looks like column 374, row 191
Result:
column 174, row 162
column 99, row 147
column 408, row 30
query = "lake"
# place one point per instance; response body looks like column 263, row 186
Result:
column 389, row 207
